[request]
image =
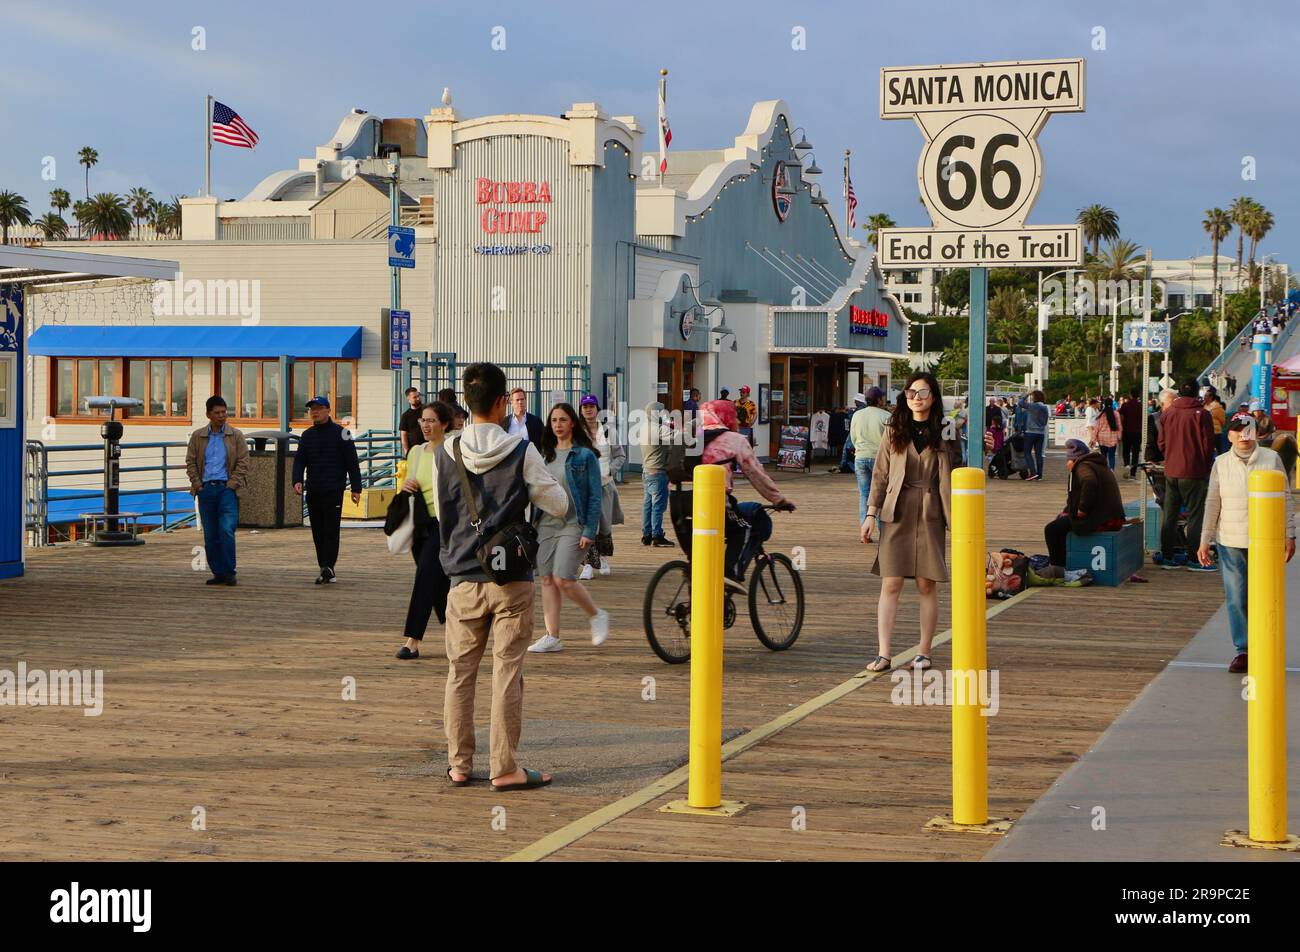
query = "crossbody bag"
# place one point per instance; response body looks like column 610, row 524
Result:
column 510, row 553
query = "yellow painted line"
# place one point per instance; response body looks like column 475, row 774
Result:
column 572, row 832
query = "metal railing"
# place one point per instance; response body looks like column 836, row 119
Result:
column 377, row 451
column 40, row 474
column 1233, row 345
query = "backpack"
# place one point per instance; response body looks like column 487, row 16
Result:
column 677, row 468
column 510, row 553
column 1006, row 573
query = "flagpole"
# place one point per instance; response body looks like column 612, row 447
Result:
column 207, row 146
column 847, row 234
column 663, row 99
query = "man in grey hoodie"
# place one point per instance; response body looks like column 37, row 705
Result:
column 654, row 475
column 506, row 473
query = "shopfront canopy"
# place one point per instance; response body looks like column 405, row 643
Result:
column 195, row 340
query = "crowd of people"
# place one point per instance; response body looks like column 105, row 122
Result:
column 494, row 497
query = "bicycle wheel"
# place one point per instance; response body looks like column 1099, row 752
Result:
column 667, row 612
column 775, row 601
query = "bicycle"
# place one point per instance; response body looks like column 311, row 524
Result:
column 775, row 593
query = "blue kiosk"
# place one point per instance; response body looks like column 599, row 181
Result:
column 25, row 272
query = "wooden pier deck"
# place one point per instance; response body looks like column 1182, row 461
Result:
column 231, row 699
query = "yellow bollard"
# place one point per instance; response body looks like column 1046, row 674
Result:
column 704, row 774
column 709, row 525
column 970, row 745
column 1266, row 704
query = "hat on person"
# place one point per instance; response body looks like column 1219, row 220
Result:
column 860, row 398
column 744, row 389
column 589, row 401
column 873, row 393
column 1075, row 449
column 1244, row 424
column 319, row 401
column 1254, row 405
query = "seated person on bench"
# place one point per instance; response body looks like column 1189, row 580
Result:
column 1092, row 504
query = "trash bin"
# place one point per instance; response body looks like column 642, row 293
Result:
column 269, row 501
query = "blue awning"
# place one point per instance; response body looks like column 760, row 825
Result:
column 194, row 340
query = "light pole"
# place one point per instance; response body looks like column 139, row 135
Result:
column 1114, row 342
column 1263, row 271
column 925, row 364
column 1042, row 325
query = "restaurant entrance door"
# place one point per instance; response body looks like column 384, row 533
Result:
column 802, row 385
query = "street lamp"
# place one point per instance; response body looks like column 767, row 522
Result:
column 925, row 364
column 1262, row 272
column 1114, row 342
column 1042, row 326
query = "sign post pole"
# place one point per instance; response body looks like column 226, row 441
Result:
column 979, row 291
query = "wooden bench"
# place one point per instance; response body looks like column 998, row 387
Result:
column 1111, row 557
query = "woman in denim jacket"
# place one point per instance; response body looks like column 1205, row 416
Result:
column 562, row 544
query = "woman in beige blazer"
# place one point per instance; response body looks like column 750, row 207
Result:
column 911, row 503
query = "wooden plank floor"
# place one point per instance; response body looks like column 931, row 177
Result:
column 231, row 700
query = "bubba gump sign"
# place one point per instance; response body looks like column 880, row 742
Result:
column 498, row 220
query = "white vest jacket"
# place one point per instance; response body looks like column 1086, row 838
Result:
column 1229, row 495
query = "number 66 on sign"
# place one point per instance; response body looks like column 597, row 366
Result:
column 981, row 170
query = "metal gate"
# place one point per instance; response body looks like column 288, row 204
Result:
column 439, row 371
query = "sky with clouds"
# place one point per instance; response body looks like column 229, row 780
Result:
column 1180, row 94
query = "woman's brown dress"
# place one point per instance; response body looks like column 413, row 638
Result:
column 913, row 545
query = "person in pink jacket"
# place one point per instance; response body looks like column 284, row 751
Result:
column 723, row 445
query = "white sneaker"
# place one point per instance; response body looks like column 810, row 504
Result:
column 604, row 567
column 586, row 573
column 599, row 627
column 546, row 643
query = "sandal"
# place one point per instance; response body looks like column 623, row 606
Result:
column 534, row 780
column 873, row 666
column 458, row 783
column 918, row 665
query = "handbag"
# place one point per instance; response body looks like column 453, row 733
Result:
column 510, row 553
column 403, row 532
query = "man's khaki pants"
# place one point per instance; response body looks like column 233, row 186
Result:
column 476, row 610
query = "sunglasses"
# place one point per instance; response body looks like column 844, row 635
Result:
column 917, row 394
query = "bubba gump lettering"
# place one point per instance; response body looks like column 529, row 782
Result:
column 497, row 221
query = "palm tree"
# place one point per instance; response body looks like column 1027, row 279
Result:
column 876, row 222
column 87, row 157
column 1217, row 225
column 53, row 227
column 1098, row 222
column 1259, row 222
column 13, row 211
column 167, row 216
column 108, row 215
column 1120, row 262
column 60, row 200
column 1239, row 210
column 139, row 199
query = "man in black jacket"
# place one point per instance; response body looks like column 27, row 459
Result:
column 327, row 451
column 520, row 422
column 1093, row 504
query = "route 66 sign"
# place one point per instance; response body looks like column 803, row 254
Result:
column 981, row 169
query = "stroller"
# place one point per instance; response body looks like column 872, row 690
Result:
column 1155, row 473
column 1010, row 459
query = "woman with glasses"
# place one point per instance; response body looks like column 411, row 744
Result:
column 429, row 593
column 910, row 507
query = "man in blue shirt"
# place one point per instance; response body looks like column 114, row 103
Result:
column 216, row 462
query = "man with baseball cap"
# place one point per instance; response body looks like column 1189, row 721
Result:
column 746, row 414
column 327, row 460
column 1227, row 516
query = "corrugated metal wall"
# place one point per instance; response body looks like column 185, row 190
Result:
column 799, row 328
column 545, row 298
column 265, row 229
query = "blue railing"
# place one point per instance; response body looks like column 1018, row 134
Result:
column 377, row 450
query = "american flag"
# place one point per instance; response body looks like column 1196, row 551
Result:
column 227, row 127
column 853, row 204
